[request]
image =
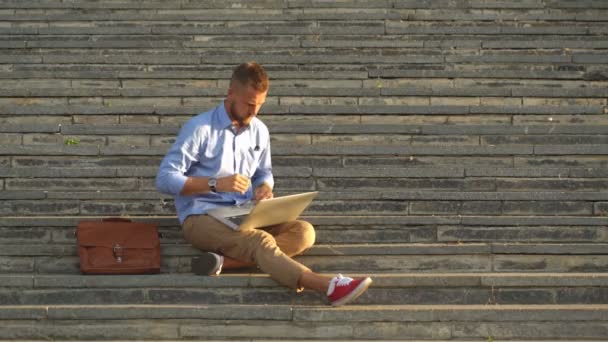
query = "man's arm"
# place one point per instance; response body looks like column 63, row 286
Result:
column 170, row 178
column 197, row 185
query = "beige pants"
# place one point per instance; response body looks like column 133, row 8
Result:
column 271, row 248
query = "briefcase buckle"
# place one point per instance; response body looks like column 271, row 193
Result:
column 118, row 252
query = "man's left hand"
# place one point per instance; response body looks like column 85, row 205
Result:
column 263, row 192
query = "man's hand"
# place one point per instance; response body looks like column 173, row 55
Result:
column 234, row 183
column 263, row 192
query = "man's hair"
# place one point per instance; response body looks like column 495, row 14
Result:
column 251, row 73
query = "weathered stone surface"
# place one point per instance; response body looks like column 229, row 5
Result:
column 523, row 233
column 551, row 263
column 105, row 329
column 459, row 149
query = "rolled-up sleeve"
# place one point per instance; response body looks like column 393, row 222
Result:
column 263, row 174
column 171, row 178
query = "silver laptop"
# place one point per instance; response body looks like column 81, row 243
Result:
column 265, row 212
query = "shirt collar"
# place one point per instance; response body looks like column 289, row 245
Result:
column 225, row 120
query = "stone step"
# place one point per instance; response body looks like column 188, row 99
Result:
column 386, row 259
column 436, row 53
column 303, row 139
column 386, row 139
column 307, row 4
column 355, row 234
column 276, row 22
column 596, row 162
column 258, row 288
column 434, row 322
column 159, row 143
column 338, row 55
column 375, row 249
column 354, row 82
column 332, row 340
column 351, row 233
column 498, row 71
column 502, row 195
column 295, row 41
column 431, row 96
column 520, row 71
column 206, row 72
column 236, row 279
column 353, row 208
column 519, row 120
column 346, row 13
column 503, row 161
column 320, row 129
column 216, row 14
column 583, row 24
column 153, row 4
column 350, row 82
column 362, row 221
column 134, row 141
column 510, row 185
column 521, row 149
column 119, row 106
column 328, row 150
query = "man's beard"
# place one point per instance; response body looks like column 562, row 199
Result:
column 235, row 116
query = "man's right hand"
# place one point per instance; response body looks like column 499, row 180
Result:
column 234, row 183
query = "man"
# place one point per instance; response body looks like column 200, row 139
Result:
column 222, row 158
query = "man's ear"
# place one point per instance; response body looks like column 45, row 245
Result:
column 233, row 88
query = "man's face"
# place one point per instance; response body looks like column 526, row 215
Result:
column 245, row 103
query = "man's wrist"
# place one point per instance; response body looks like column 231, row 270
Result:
column 262, row 184
column 201, row 185
column 212, row 183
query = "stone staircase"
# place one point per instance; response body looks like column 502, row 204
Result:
column 460, row 149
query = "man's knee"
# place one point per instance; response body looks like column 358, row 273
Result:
column 260, row 243
column 187, row 230
column 260, row 238
column 307, row 234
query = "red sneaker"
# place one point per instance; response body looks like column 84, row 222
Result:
column 344, row 289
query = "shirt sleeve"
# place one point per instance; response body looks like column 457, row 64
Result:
column 182, row 154
column 263, row 174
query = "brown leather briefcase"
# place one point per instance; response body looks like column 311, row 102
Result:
column 118, row 246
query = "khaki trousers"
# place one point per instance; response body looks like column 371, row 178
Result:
column 271, row 248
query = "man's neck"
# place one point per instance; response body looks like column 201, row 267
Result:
column 235, row 123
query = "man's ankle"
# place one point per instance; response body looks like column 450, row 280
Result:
column 314, row 281
column 230, row 263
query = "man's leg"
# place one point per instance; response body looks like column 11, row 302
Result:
column 292, row 237
column 251, row 246
column 260, row 247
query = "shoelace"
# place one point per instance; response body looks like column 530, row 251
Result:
column 343, row 281
column 336, row 281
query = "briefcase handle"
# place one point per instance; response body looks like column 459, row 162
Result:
column 108, row 219
column 116, row 219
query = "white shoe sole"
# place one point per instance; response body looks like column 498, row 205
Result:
column 355, row 293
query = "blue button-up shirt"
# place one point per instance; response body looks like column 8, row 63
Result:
column 209, row 146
